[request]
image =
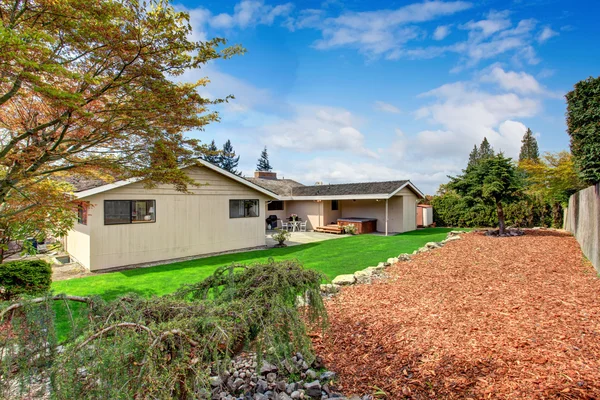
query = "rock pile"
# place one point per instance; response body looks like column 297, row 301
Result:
column 507, row 233
column 296, row 379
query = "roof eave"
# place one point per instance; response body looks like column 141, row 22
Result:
column 410, row 185
column 118, row 184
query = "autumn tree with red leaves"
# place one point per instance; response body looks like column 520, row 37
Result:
column 89, row 87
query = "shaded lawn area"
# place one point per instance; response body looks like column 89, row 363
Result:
column 330, row 257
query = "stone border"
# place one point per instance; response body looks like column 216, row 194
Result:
column 366, row 276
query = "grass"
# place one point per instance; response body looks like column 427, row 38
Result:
column 330, row 257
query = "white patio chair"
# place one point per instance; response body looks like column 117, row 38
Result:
column 303, row 226
column 285, row 226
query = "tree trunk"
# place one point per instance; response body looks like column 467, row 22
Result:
column 501, row 223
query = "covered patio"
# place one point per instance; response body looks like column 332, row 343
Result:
column 384, row 207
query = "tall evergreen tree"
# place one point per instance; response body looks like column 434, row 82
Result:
column 529, row 147
column 227, row 159
column 492, row 182
column 212, row 154
column 485, row 150
column 473, row 157
column 263, row 161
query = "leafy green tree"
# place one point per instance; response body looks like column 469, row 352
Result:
column 529, row 147
column 263, row 161
column 212, row 153
column 87, row 87
column 583, row 125
column 228, row 160
column 553, row 179
column 493, row 182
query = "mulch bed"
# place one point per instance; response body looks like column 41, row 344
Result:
column 482, row 317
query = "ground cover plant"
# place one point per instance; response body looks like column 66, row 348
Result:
column 163, row 347
column 331, row 258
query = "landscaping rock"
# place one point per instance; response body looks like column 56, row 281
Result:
column 404, row 257
column 343, row 280
column 362, row 277
column 452, row 238
column 393, row 260
column 374, row 270
column 215, row 381
column 432, row 245
column 313, row 389
column 267, row 367
column 329, row 288
column 453, row 233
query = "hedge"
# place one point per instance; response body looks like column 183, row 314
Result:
column 24, row 277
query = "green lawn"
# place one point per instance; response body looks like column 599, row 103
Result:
column 331, row 257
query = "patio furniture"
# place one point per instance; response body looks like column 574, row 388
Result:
column 285, row 226
column 294, row 224
column 302, row 226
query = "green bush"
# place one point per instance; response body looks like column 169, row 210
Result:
column 24, row 277
column 583, row 125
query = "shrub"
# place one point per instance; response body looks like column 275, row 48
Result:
column 281, row 236
column 583, row 125
column 350, row 229
column 24, row 277
column 166, row 347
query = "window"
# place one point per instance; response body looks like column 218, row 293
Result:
column 335, row 205
column 243, row 208
column 82, row 214
column 275, row 206
column 129, row 211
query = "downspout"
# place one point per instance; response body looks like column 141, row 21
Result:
column 386, row 217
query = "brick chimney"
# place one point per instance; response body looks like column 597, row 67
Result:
column 265, row 175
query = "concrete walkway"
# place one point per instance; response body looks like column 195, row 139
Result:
column 303, row 238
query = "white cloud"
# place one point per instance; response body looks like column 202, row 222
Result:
column 246, row 14
column 546, row 34
column 383, row 32
column 520, row 82
column 441, row 32
column 468, row 114
column 386, row 107
column 316, row 128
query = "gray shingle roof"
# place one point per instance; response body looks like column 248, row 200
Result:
column 81, row 183
column 349, row 189
column 282, row 187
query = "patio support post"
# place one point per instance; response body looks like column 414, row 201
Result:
column 386, row 217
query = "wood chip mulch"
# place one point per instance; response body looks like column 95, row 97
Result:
column 482, row 317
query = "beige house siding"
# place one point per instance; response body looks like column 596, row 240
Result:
column 409, row 210
column 331, row 216
column 186, row 224
column 309, row 210
column 77, row 243
column 281, row 214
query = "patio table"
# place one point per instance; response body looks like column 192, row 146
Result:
column 295, row 225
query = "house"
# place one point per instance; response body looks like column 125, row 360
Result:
column 392, row 204
column 125, row 223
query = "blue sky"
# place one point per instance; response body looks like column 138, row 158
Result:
column 347, row 90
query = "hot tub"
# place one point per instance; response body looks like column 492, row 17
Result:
column 363, row 225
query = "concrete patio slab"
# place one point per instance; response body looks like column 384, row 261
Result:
column 303, row 238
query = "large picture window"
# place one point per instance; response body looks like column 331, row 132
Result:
column 243, row 208
column 129, row 211
column 275, row 205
